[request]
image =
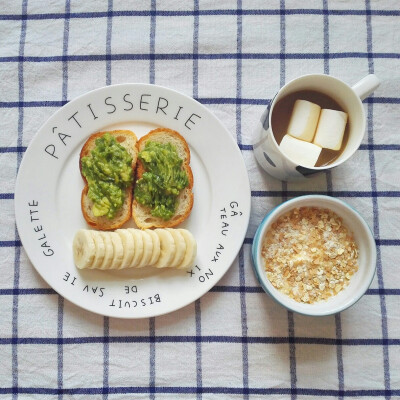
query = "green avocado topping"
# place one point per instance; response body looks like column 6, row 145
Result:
column 160, row 185
column 108, row 171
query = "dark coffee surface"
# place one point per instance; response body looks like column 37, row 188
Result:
column 283, row 110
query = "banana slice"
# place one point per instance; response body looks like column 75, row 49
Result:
column 167, row 248
column 84, row 249
column 128, row 245
column 134, row 248
column 118, row 254
column 156, row 246
column 191, row 249
column 147, row 249
column 138, row 240
column 100, row 249
column 180, row 247
column 109, row 253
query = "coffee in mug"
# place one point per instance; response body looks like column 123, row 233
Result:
column 282, row 116
column 295, row 154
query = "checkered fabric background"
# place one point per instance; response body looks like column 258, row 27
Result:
column 232, row 56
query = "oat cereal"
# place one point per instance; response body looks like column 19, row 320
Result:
column 309, row 254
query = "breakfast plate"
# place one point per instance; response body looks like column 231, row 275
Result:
column 49, row 186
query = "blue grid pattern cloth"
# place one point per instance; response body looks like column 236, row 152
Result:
column 232, row 56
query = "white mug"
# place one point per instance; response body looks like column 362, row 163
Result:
column 266, row 149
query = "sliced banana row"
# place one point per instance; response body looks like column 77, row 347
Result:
column 134, row 248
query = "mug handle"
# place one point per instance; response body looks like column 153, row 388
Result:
column 366, row 86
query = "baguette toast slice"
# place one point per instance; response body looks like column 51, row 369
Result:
column 141, row 213
column 129, row 141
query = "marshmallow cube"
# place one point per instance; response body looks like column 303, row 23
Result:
column 330, row 129
column 304, row 153
column 304, row 119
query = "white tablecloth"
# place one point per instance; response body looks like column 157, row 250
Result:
column 235, row 342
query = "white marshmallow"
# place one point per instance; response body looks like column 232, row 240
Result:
column 330, row 129
column 304, row 120
column 304, row 153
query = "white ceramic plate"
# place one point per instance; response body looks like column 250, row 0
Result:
column 49, row 185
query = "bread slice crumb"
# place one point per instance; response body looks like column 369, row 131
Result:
column 141, row 213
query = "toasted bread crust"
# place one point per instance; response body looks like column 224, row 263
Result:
column 155, row 136
column 104, row 223
column 142, row 214
column 129, row 140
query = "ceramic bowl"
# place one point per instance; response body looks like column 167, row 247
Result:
column 359, row 282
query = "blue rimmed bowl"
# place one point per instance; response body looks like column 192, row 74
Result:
column 359, row 282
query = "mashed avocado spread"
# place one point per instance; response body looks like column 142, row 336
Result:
column 108, row 171
column 160, row 185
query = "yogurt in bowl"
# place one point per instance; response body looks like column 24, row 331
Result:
column 314, row 254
